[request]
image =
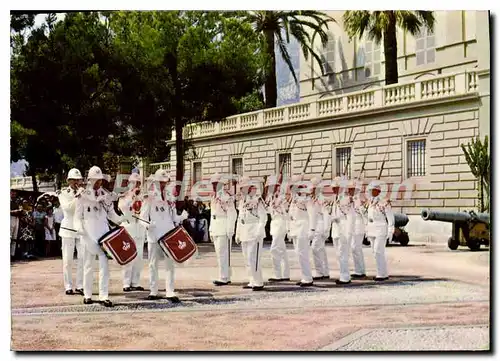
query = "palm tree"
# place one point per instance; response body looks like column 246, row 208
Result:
column 382, row 25
column 274, row 26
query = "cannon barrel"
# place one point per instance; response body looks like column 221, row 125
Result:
column 400, row 220
column 442, row 216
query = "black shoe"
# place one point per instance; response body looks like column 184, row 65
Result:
column 88, row 301
column 339, row 282
column 247, row 287
column 285, row 279
column 220, row 283
column 272, row 279
column 358, row 277
column 173, row 299
column 154, row 297
column 70, row 292
column 79, row 291
column 380, row 279
column 107, row 303
column 257, row 288
column 302, row 284
column 138, row 288
column 321, row 278
column 127, row 289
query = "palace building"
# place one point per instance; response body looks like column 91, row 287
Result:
column 442, row 100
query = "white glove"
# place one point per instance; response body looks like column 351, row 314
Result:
column 310, row 234
column 237, row 240
column 80, row 231
column 184, row 215
column 102, row 198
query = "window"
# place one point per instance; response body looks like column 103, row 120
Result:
column 196, row 172
column 425, row 47
column 342, row 158
column 286, row 160
column 237, row 166
column 415, row 160
column 329, row 55
column 372, row 59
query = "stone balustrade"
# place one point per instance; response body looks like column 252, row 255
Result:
column 439, row 87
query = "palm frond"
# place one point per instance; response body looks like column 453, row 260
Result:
column 285, row 55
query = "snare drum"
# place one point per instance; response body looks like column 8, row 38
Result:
column 178, row 245
column 117, row 244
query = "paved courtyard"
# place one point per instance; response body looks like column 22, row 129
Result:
column 436, row 299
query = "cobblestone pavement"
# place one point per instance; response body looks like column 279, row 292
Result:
column 429, row 286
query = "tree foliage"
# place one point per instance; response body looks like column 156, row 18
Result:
column 381, row 26
column 117, row 83
column 479, row 160
column 276, row 28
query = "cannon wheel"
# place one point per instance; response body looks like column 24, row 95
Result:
column 452, row 243
column 403, row 239
column 474, row 244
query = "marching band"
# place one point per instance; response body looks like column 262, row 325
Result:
column 149, row 214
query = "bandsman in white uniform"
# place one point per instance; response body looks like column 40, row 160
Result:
column 277, row 207
column 222, row 227
column 380, row 227
column 301, row 228
column 250, row 232
column 322, row 230
column 68, row 233
column 91, row 221
column 342, row 216
column 130, row 205
column 360, row 209
column 160, row 211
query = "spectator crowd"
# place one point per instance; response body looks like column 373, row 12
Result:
column 34, row 226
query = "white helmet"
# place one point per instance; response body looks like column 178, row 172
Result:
column 215, row 178
column 315, row 181
column 161, row 175
column 95, row 173
column 74, row 174
column 244, row 182
column 271, row 180
column 375, row 184
column 134, row 177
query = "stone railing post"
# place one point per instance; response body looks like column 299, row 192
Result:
column 313, row 110
column 461, row 83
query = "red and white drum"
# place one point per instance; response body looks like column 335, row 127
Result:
column 178, row 244
column 119, row 245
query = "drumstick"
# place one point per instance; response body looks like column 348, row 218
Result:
column 68, row 229
column 140, row 219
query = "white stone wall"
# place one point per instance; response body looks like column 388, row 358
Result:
column 448, row 183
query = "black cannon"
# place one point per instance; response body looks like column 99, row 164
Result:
column 469, row 229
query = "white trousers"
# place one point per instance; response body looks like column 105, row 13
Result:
column 222, row 246
column 342, row 245
column 132, row 271
column 68, row 249
column 156, row 254
column 357, row 254
column 279, row 257
column 302, row 247
column 378, row 248
column 252, row 252
column 320, row 258
column 88, row 275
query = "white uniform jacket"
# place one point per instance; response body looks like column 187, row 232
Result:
column 161, row 213
column 302, row 216
column 380, row 219
column 361, row 209
column 91, row 217
column 252, row 219
column 322, row 227
column 278, row 209
column 342, row 216
column 134, row 226
column 67, row 199
column 222, row 214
